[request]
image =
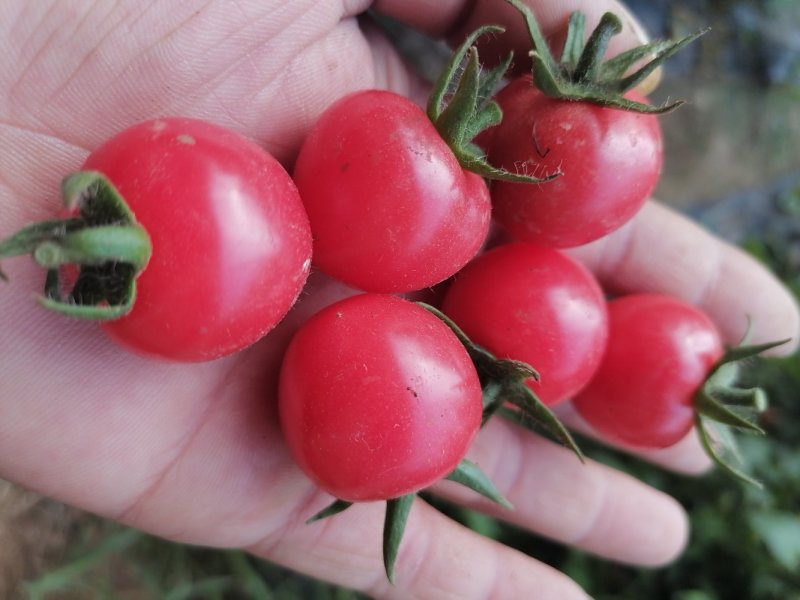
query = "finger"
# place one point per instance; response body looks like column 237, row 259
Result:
column 438, row 558
column 662, row 251
column 266, row 69
column 138, row 440
column 588, row 505
column 456, row 18
column 391, row 72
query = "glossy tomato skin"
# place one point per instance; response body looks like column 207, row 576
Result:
column 377, row 398
column 391, row 209
column 610, row 162
column 231, row 243
column 536, row 305
column 660, row 351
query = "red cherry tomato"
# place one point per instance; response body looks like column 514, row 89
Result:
column 378, row 398
column 610, row 161
column 231, row 244
column 536, row 305
column 391, row 209
column 660, row 351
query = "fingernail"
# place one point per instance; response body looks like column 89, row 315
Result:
column 652, row 81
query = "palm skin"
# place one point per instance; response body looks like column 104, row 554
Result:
column 193, row 452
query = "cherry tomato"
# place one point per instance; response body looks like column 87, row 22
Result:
column 610, row 161
column 660, row 351
column 378, row 398
column 536, row 305
column 391, row 209
column 231, row 243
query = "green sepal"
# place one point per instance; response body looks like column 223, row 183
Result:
column 394, row 526
column 451, row 122
column 89, row 312
column 448, row 81
column 538, row 417
column 573, row 45
column 461, row 107
column 739, row 353
column 104, row 240
column 663, row 51
column 720, row 445
column 721, row 407
column 467, row 473
column 504, row 382
column 616, row 68
column 582, row 75
column 334, row 508
column 97, row 199
column 478, row 164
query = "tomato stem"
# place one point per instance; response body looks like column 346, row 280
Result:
column 96, row 246
column 588, row 66
column 104, row 240
column 27, row 239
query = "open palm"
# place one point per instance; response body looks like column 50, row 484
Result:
column 193, row 452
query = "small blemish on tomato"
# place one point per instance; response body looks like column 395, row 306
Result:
column 158, row 126
column 344, row 167
column 187, row 139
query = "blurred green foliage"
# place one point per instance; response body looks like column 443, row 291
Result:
column 106, row 561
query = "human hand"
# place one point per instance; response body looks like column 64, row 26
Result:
column 193, row 452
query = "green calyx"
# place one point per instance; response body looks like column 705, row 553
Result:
column 582, row 75
column 397, row 509
column 722, row 407
column 504, row 386
column 103, row 240
column 461, row 107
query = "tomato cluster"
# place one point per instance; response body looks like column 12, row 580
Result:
column 192, row 243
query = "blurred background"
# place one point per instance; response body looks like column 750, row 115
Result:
column 732, row 162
